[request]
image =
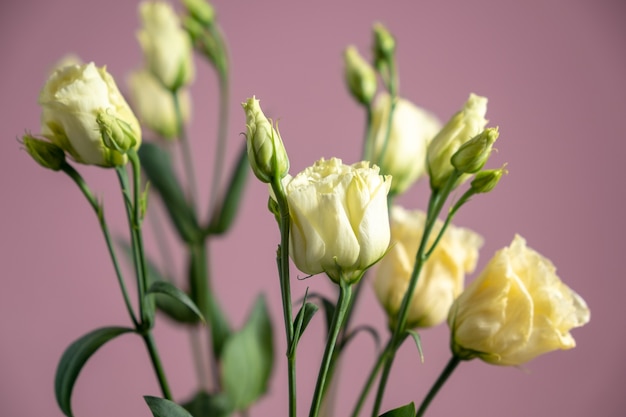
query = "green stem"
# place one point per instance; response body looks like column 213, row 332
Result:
column 435, row 205
column 443, row 377
column 368, row 141
column 134, row 211
column 128, row 204
column 202, row 294
column 222, row 135
column 285, row 289
column 156, row 364
column 370, row 382
column 383, row 151
column 99, row 210
column 186, row 150
column 345, row 292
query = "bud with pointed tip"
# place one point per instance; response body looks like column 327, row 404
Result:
column 473, row 154
column 45, row 153
column 464, row 125
column 266, row 151
column 201, row 11
column 360, row 76
column 116, row 134
column 486, row 180
column 384, row 44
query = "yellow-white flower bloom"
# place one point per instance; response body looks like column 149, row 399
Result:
column 442, row 276
column 463, row 126
column 166, row 46
column 72, row 100
column 412, row 129
column 339, row 217
column 517, row 309
column 155, row 105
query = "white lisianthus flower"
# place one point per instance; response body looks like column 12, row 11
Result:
column 442, row 276
column 166, row 46
column 517, row 309
column 412, row 129
column 155, row 105
column 73, row 100
column 339, row 218
column 462, row 127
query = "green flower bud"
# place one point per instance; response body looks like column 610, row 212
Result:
column 473, row 154
column 384, row 45
column 464, row 125
column 360, row 76
column 201, row 11
column 266, row 151
column 45, row 153
column 116, row 134
column 486, row 180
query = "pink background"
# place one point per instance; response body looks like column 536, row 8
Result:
column 554, row 73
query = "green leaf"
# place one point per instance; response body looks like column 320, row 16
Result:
column 418, row 342
column 161, row 407
column 247, row 359
column 171, row 307
column 158, row 167
column 404, row 411
column 224, row 215
column 304, row 316
column 328, row 306
column 365, row 328
column 73, row 360
column 167, row 288
column 204, row 404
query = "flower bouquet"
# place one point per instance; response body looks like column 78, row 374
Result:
column 333, row 219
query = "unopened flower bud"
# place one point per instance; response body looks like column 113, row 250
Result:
column 266, row 151
column 473, row 154
column 384, row 44
column 45, row 153
column 360, row 76
column 166, row 46
column 116, row 134
column 487, row 180
column 201, row 11
column 460, row 128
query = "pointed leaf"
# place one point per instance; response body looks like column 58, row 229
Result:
column 224, row 215
column 365, row 328
column 73, row 360
column 161, row 407
column 167, row 288
column 171, row 307
column 404, row 411
column 158, row 167
column 247, row 359
column 304, row 316
column 204, row 404
column 328, row 306
column 418, row 342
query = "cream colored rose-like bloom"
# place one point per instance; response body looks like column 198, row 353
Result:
column 517, row 309
column 339, row 218
column 72, row 99
column 442, row 276
column 166, row 46
column 155, row 105
column 462, row 127
column 412, row 129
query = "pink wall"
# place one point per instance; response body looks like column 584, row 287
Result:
column 554, row 75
